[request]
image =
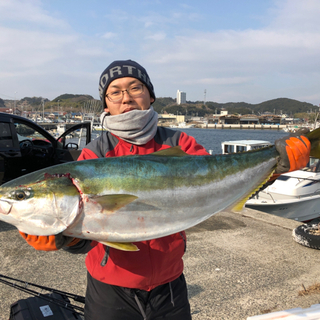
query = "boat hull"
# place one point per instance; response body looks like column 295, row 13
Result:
column 297, row 209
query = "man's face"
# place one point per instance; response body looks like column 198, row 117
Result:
column 127, row 103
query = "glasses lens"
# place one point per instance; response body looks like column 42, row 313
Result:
column 115, row 95
column 135, row 90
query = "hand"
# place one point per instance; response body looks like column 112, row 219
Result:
column 294, row 152
column 49, row 243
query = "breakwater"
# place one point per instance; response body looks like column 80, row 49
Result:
column 54, row 126
column 245, row 126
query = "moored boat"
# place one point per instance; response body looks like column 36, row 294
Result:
column 294, row 195
column 236, row 146
column 99, row 127
column 182, row 125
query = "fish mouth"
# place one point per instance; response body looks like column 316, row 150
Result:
column 5, row 207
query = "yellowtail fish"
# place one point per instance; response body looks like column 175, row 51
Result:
column 134, row 198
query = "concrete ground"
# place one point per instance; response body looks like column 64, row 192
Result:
column 236, row 266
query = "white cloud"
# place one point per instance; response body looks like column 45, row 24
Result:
column 157, row 36
column 109, row 35
column 278, row 60
column 31, row 12
column 252, row 65
column 41, row 55
column 296, row 15
column 217, row 81
column 31, row 49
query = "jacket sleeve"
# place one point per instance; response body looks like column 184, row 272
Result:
column 83, row 246
column 189, row 145
column 87, row 154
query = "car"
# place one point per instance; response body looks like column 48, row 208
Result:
column 25, row 146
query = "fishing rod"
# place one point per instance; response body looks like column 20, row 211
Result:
column 61, row 303
column 67, row 294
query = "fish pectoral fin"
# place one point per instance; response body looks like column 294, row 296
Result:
column 170, row 152
column 240, row 204
column 113, row 202
column 124, row 246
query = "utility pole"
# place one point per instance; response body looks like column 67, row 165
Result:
column 15, row 104
column 42, row 102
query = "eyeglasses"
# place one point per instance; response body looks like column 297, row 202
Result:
column 133, row 91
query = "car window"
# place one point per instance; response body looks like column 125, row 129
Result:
column 6, row 140
column 75, row 137
column 25, row 132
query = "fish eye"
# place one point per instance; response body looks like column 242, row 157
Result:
column 20, row 195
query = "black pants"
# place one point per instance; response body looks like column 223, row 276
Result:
column 107, row 302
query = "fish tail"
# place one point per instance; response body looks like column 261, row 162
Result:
column 240, row 204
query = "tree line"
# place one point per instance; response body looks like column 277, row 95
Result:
column 76, row 103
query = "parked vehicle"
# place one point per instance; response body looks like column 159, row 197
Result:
column 26, row 147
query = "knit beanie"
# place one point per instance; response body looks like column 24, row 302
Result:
column 121, row 69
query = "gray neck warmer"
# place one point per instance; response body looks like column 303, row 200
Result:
column 136, row 126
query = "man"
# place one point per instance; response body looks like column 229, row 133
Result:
column 148, row 284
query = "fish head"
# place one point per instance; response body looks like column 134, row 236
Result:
column 40, row 204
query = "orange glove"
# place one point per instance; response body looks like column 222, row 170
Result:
column 49, row 243
column 294, row 153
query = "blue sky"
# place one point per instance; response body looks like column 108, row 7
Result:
column 236, row 50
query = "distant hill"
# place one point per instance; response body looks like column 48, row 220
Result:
column 288, row 106
column 34, row 101
column 64, row 102
column 75, row 102
column 73, row 97
column 277, row 106
column 86, row 103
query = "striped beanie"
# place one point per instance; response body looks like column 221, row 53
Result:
column 120, row 69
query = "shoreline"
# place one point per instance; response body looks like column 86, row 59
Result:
column 246, row 126
column 280, row 127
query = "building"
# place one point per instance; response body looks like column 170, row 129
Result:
column 249, row 119
column 170, row 119
column 181, row 97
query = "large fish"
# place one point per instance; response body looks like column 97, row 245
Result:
column 134, row 198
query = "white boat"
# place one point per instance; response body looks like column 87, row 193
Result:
column 294, row 195
column 235, row 146
column 99, row 128
column 182, row 125
column 243, row 145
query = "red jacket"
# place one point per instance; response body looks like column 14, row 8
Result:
column 158, row 261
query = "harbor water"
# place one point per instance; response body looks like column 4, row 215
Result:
column 211, row 138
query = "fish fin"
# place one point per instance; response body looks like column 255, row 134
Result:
column 240, row 204
column 314, row 138
column 124, row 246
column 170, row 152
column 113, row 202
